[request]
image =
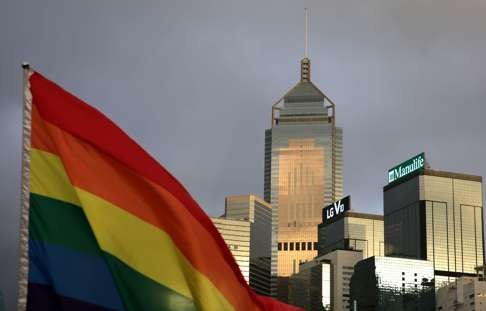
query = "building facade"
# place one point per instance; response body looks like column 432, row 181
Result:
column 259, row 213
column 393, row 284
column 236, row 234
column 303, row 170
column 324, row 282
column 260, row 278
column 465, row 294
column 436, row 216
column 353, row 231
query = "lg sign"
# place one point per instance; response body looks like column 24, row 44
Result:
column 336, row 210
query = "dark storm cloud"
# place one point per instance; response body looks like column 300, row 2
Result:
column 193, row 82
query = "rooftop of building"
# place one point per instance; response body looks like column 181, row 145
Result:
column 304, row 91
column 325, row 258
column 437, row 173
column 352, row 213
column 446, row 174
column 249, row 196
column 223, row 220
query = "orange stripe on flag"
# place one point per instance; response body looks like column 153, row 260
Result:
column 101, row 159
column 83, row 121
column 97, row 173
column 40, row 138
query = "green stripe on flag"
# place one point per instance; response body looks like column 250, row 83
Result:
column 65, row 224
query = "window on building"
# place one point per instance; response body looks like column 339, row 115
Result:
column 297, row 246
column 315, row 246
column 309, row 246
column 286, row 246
column 279, row 246
column 291, row 246
column 303, row 246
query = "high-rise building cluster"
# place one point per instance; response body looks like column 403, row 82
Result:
column 304, row 244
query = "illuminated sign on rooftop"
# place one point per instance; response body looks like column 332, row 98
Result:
column 336, row 210
column 407, row 167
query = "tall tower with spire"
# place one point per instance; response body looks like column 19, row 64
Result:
column 303, row 172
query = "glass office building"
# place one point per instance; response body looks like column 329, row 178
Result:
column 303, row 170
column 393, row 284
column 236, row 234
column 260, row 278
column 437, row 216
column 353, row 231
column 324, row 282
column 259, row 213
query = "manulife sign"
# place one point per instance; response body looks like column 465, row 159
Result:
column 407, row 167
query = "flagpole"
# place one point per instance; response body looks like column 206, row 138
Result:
column 25, row 190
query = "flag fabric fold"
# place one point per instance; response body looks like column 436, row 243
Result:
column 110, row 228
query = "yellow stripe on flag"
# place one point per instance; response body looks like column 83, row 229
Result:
column 48, row 177
column 148, row 250
column 137, row 243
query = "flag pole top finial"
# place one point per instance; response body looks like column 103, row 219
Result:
column 25, row 65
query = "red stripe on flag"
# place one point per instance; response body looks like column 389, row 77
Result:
column 85, row 122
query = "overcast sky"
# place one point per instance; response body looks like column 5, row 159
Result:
column 193, row 82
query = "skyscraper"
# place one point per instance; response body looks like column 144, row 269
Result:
column 351, row 230
column 303, row 171
column 236, row 234
column 323, row 283
column 259, row 213
column 392, row 284
column 436, row 216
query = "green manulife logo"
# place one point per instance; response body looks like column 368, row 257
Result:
column 406, row 167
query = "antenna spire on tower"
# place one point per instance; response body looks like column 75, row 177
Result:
column 306, row 38
column 305, row 62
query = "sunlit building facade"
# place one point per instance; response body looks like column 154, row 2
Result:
column 324, row 282
column 259, row 213
column 437, row 216
column 465, row 294
column 236, row 234
column 354, row 231
column 393, row 284
column 303, row 171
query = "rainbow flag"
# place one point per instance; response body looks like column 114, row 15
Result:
column 109, row 228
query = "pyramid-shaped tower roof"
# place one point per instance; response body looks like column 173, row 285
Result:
column 305, row 90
